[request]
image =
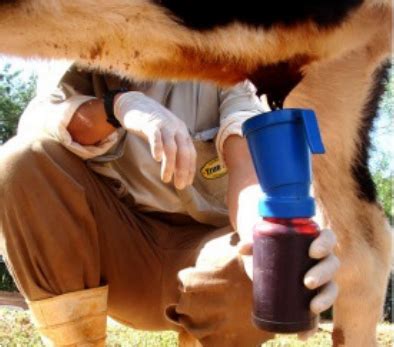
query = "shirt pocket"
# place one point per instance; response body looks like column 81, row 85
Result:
column 211, row 177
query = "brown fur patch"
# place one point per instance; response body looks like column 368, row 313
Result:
column 96, row 51
column 214, row 68
column 368, row 230
column 275, row 80
column 190, row 63
column 338, row 338
column 10, row 2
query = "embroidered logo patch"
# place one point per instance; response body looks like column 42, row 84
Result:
column 212, row 169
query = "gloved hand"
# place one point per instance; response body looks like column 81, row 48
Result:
column 168, row 137
column 321, row 275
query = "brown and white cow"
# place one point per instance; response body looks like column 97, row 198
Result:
column 328, row 55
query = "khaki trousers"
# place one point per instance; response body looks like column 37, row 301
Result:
column 62, row 229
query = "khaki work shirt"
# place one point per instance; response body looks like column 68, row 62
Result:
column 210, row 113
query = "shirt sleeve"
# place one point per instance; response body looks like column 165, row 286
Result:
column 51, row 114
column 237, row 104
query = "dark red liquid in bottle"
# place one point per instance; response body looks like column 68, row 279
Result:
column 280, row 262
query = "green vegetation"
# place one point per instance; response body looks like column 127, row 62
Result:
column 14, row 96
column 383, row 177
column 6, row 282
column 382, row 154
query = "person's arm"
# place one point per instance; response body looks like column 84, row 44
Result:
column 237, row 104
column 167, row 135
column 69, row 115
column 242, row 187
column 88, row 125
column 60, row 118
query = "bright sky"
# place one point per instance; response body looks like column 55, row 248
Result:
column 26, row 66
column 48, row 72
column 383, row 137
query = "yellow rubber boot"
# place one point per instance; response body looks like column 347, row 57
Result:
column 77, row 319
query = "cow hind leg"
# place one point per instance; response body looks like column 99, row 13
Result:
column 363, row 282
column 344, row 93
column 352, row 211
column 365, row 252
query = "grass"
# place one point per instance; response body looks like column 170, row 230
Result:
column 16, row 330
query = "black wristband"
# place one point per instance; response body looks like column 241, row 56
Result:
column 108, row 99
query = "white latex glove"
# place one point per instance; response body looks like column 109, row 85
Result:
column 321, row 275
column 168, row 137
